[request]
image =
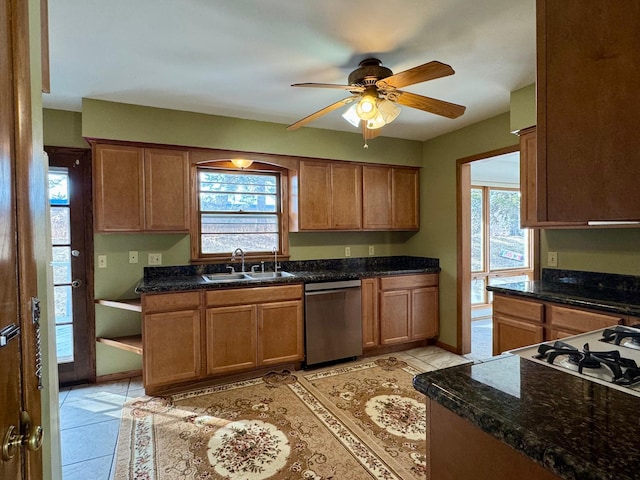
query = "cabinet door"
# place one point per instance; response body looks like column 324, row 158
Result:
column 171, row 345
column 231, row 338
column 166, row 190
column 528, row 193
column 280, row 332
column 118, row 188
column 510, row 333
column 395, row 311
column 346, row 196
column 405, row 199
column 315, row 195
column 376, row 198
column 370, row 319
column 588, row 141
column 424, row 313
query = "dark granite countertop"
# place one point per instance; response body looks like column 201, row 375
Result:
column 573, row 427
column 611, row 293
column 189, row 277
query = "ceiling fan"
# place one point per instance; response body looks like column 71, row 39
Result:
column 375, row 96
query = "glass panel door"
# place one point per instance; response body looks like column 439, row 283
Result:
column 71, row 240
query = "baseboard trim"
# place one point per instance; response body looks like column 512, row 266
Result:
column 112, row 377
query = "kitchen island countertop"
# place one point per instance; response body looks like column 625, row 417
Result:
column 189, row 277
column 573, row 427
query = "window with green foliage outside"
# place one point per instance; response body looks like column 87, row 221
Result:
column 238, row 209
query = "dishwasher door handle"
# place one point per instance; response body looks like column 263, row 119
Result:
column 326, row 292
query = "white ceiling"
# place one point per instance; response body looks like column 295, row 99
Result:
column 238, row 58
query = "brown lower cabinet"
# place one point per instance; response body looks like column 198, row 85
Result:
column 399, row 309
column 518, row 322
column 459, row 450
column 191, row 336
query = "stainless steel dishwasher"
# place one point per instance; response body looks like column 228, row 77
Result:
column 333, row 321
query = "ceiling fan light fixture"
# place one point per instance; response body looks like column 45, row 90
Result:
column 388, row 110
column 351, row 116
column 367, row 107
column 241, row 163
column 377, row 122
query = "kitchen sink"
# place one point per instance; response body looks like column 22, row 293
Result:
column 257, row 275
column 239, row 277
column 225, row 277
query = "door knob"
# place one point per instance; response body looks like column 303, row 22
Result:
column 76, row 283
column 30, row 438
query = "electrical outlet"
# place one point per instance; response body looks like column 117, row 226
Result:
column 155, row 259
column 552, row 259
column 347, row 251
column 133, row 256
column 102, row 261
column 372, row 250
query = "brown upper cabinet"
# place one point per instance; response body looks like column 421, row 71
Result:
column 140, row 189
column 588, row 147
column 390, row 197
column 330, row 196
column 336, row 195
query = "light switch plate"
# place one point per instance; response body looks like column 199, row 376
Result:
column 102, row 261
column 552, row 259
column 133, row 256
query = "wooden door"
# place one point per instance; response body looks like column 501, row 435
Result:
column 424, row 313
column 315, row 195
column 231, row 338
column 166, row 186
column 171, row 346
column 376, row 198
column 22, row 212
column 280, row 332
column 370, row 318
column 395, row 312
column 72, row 248
column 346, row 196
column 405, row 191
column 118, row 188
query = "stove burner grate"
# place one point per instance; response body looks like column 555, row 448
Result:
column 619, row 333
column 624, row 371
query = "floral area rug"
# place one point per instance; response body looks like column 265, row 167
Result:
column 359, row 421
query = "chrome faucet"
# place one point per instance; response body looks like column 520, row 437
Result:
column 275, row 260
column 241, row 253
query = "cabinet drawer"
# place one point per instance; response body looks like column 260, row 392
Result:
column 245, row 296
column 408, row 281
column 170, row 301
column 579, row 320
column 524, row 309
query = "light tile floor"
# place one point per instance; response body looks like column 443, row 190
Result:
column 90, row 416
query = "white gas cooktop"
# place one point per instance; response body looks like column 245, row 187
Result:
column 609, row 356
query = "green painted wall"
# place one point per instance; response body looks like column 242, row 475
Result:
column 523, row 108
column 63, row 129
column 438, row 226
column 119, row 121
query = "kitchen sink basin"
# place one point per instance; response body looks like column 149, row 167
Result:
column 225, row 277
column 257, row 275
column 239, row 277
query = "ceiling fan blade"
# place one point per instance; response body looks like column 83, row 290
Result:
column 351, row 88
column 421, row 73
column 431, row 105
column 319, row 113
